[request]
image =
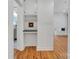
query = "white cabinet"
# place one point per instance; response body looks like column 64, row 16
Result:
column 60, row 23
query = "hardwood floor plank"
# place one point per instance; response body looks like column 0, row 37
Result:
column 60, row 51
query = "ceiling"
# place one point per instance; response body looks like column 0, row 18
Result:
column 31, row 5
column 20, row 2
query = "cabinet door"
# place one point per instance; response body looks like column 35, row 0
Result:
column 20, row 39
column 45, row 25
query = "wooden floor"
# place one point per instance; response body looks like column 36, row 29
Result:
column 60, row 51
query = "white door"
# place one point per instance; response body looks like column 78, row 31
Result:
column 45, row 25
column 20, row 38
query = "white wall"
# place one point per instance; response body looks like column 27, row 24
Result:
column 61, row 5
column 31, row 7
column 30, row 18
column 26, row 27
column 61, row 8
column 20, row 37
column 60, row 21
column 45, row 25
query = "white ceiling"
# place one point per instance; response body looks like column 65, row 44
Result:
column 20, row 2
column 31, row 6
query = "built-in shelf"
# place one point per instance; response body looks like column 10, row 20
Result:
column 30, row 31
